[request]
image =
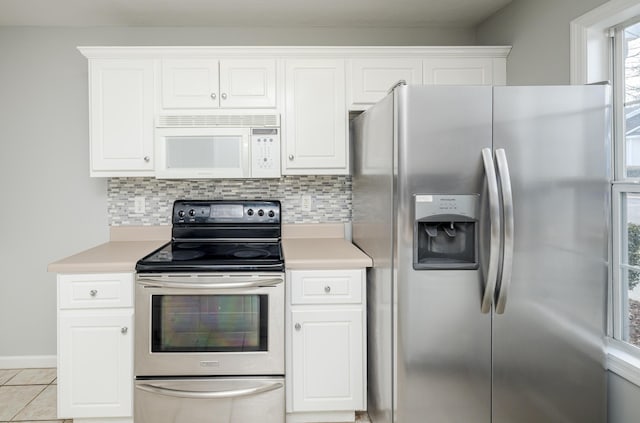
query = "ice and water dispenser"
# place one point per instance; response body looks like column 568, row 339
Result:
column 445, row 232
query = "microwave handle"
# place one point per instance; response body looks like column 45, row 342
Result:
column 189, row 283
column 210, row 395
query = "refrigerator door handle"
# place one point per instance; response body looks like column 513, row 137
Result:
column 508, row 245
column 494, row 216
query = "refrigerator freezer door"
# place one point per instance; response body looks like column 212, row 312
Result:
column 548, row 345
column 443, row 339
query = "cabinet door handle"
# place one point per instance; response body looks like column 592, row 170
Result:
column 224, row 96
column 298, row 326
column 213, row 96
column 124, row 330
column 93, row 292
column 290, row 156
column 327, row 289
column 147, row 159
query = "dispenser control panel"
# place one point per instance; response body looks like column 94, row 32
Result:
column 429, row 205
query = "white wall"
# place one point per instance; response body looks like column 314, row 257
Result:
column 538, row 30
column 50, row 208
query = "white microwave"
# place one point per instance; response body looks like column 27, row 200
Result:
column 217, row 146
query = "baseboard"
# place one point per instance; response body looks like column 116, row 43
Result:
column 27, row 361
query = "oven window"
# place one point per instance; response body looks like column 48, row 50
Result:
column 209, row 323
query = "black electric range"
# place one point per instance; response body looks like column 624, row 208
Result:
column 220, row 235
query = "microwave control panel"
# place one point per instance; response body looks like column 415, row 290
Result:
column 265, row 153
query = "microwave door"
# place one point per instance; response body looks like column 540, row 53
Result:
column 203, row 153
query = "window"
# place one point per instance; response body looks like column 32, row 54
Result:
column 626, row 192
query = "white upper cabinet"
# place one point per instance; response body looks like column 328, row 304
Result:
column 462, row 71
column 122, row 100
column 212, row 84
column 315, row 117
column 312, row 88
column 190, row 84
column 371, row 79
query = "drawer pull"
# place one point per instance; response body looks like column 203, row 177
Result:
column 327, row 289
column 124, row 330
column 298, row 326
column 93, row 292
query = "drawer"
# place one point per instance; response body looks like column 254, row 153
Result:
column 96, row 290
column 326, row 286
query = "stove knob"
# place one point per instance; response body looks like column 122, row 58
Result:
column 250, row 212
column 181, row 213
column 271, row 213
column 192, row 212
column 260, row 212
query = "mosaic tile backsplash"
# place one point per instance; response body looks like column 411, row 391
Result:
column 330, row 197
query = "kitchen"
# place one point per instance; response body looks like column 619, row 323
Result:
column 76, row 210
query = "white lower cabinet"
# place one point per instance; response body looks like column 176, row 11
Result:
column 95, row 347
column 326, row 345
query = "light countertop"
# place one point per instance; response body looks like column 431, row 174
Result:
column 110, row 257
column 322, row 253
column 315, row 246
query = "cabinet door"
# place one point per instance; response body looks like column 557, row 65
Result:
column 95, row 363
column 327, row 359
column 190, row 84
column 371, row 79
column 247, row 83
column 316, row 118
column 121, row 117
column 458, row 71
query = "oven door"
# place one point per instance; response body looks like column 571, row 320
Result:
column 209, row 325
column 210, row 400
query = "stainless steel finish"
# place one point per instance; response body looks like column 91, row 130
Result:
column 224, row 96
column 147, row 159
column 290, row 156
column 432, row 352
column 396, row 85
column 373, row 230
column 421, row 140
column 213, row 96
column 210, row 400
column 298, row 326
column 206, row 282
column 181, row 393
column 508, row 240
column 93, row 292
column 548, row 345
column 124, row 330
column 226, row 363
column 327, row 289
column 495, row 231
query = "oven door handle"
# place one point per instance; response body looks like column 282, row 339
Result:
column 189, row 283
column 210, row 395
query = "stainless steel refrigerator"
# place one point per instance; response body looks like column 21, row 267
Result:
column 485, row 211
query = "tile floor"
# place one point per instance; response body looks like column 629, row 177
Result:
column 28, row 396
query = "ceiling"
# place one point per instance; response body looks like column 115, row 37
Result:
column 265, row 13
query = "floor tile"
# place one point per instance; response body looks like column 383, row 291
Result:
column 43, row 407
column 33, row 377
column 6, row 374
column 14, row 398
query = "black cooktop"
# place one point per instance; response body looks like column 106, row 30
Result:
column 220, row 235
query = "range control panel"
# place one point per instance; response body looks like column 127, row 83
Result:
column 222, row 211
column 265, row 153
